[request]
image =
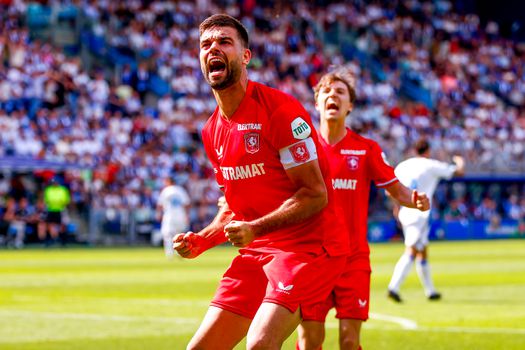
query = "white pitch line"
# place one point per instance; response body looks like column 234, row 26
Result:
column 143, row 301
column 99, row 317
column 405, row 323
column 474, row 330
column 412, row 326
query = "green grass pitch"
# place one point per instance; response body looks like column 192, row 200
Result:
column 133, row 298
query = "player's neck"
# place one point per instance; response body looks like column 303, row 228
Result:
column 332, row 131
column 230, row 98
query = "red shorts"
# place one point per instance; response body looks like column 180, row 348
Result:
column 288, row 279
column 350, row 296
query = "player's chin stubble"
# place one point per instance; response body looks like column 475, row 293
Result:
column 234, row 73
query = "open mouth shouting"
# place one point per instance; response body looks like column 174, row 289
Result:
column 332, row 106
column 216, row 67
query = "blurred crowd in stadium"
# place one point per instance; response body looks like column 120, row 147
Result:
column 115, row 87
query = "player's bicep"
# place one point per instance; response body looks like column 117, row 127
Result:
column 309, row 178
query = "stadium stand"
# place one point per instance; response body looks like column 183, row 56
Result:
column 116, row 88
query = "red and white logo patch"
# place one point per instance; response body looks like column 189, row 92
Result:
column 353, row 162
column 300, row 152
column 251, row 142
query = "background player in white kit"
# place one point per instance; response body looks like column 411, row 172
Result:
column 422, row 174
column 173, row 205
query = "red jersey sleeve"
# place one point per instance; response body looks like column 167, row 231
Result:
column 381, row 172
column 212, row 156
column 292, row 134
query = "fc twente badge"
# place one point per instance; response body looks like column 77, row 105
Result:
column 300, row 152
column 251, row 142
column 353, row 162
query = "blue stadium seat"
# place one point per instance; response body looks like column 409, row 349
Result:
column 117, row 58
column 158, row 86
column 410, row 89
column 38, row 16
column 67, row 13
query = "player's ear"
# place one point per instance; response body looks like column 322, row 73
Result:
column 350, row 107
column 246, row 57
column 316, row 105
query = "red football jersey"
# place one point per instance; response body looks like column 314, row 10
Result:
column 269, row 132
column 355, row 162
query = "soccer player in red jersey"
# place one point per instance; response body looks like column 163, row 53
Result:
column 267, row 158
column 355, row 162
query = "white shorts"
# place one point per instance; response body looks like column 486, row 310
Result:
column 416, row 233
column 170, row 228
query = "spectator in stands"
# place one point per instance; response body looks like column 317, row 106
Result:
column 456, row 211
column 41, row 219
column 512, row 209
column 472, row 80
column 486, row 210
column 19, row 215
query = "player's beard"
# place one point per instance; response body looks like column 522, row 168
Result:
column 233, row 75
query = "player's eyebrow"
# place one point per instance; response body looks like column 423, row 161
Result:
column 219, row 37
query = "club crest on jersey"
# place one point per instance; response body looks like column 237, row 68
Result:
column 251, row 142
column 352, row 162
column 299, row 152
column 300, row 129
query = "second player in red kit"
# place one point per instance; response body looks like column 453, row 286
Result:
column 355, row 163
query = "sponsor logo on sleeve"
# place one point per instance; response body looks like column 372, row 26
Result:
column 300, row 129
column 251, row 142
column 299, row 152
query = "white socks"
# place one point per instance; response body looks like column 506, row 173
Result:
column 401, row 271
column 423, row 271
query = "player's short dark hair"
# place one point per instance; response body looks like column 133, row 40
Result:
column 421, row 146
column 223, row 20
column 343, row 75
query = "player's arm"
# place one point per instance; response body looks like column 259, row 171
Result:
column 460, row 164
column 407, row 197
column 190, row 245
column 158, row 212
column 310, row 198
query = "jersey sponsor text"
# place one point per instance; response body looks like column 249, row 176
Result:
column 354, row 152
column 344, row 184
column 242, row 172
column 249, row 126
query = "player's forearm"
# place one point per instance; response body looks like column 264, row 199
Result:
column 401, row 194
column 460, row 164
column 302, row 205
column 214, row 232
